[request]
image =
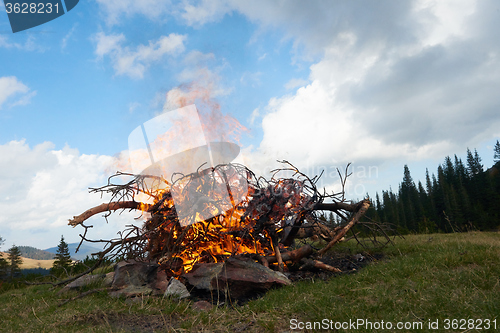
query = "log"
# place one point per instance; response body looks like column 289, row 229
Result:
column 317, row 229
column 335, row 206
column 294, row 255
column 309, row 263
column 361, row 210
column 105, row 207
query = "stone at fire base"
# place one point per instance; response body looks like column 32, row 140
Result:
column 82, row 281
column 176, row 290
column 134, row 277
column 240, row 277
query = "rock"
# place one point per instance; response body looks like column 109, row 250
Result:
column 134, row 273
column 161, row 281
column 82, row 281
column 132, row 291
column 241, row 278
column 359, row 257
column 176, row 290
column 202, row 275
column 244, row 278
column 202, row 306
column 108, row 279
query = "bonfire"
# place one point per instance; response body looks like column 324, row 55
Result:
column 221, row 212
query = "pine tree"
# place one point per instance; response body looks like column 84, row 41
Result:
column 496, row 156
column 14, row 261
column 62, row 258
column 4, row 265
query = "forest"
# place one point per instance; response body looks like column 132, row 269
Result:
column 459, row 197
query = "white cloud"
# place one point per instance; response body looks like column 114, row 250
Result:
column 64, row 41
column 11, row 88
column 255, row 114
column 205, row 11
column 134, row 63
column 42, row 188
column 391, row 81
column 396, row 81
column 29, row 45
column 294, row 83
column 152, row 9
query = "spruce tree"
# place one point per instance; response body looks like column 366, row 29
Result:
column 496, row 155
column 14, row 261
column 3, row 263
column 62, row 258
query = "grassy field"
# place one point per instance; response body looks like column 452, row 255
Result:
column 32, row 263
column 422, row 281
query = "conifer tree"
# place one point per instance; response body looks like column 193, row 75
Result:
column 496, row 155
column 62, row 258
column 3, row 263
column 14, row 261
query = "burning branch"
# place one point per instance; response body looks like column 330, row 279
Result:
column 225, row 211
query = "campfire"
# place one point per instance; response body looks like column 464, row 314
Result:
column 225, row 212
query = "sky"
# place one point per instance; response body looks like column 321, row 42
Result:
column 378, row 84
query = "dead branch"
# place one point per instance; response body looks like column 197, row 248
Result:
column 294, row 255
column 362, row 207
column 309, row 264
column 105, row 207
column 266, row 220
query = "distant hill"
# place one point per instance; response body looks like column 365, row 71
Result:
column 85, row 250
column 32, row 263
column 34, row 253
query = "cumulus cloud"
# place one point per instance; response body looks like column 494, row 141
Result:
column 294, row 83
column 411, row 74
column 390, row 81
column 42, row 188
column 14, row 91
column 395, row 81
column 135, row 62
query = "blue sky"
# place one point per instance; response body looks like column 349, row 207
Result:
column 378, row 84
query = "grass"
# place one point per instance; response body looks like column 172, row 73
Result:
column 32, row 263
column 422, row 278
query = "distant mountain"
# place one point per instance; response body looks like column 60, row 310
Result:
column 34, row 253
column 85, row 250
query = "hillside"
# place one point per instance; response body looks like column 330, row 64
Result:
column 34, row 253
column 32, row 263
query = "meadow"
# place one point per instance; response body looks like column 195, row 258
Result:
column 424, row 283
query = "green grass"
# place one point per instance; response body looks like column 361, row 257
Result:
column 421, row 278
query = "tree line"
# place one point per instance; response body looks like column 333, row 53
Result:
column 459, row 197
column 10, row 267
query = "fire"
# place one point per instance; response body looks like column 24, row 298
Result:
column 198, row 207
column 238, row 224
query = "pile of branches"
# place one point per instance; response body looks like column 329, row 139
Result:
column 269, row 216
